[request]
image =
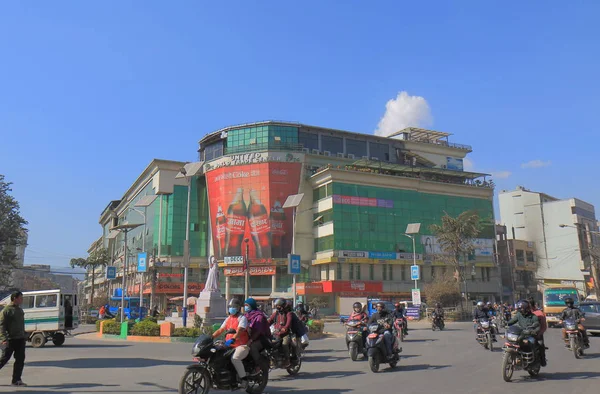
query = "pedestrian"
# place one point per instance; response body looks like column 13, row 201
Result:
column 12, row 336
column 154, row 312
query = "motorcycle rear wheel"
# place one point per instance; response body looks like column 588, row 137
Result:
column 295, row 368
column 264, row 379
column 533, row 372
column 575, row 348
column 508, row 367
column 374, row 363
column 194, row 381
column 490, row 342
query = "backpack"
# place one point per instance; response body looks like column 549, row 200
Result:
column 297, row 325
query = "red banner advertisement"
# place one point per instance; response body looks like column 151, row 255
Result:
column 246, row 203
column 352, row 286
column 254, row 271
column 309, row 288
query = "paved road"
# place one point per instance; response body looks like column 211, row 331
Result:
column 445, row 362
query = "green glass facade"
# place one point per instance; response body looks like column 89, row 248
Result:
column 174, row 213
column 377, row 228
column 261, row 137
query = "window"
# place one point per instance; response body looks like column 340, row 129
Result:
column 332, row 144
column 487, row 273
column 308, row 140
column 384, row 268
column 338, row 275
column 28, row 302
column 432, row 272
column 482, row 274
column 358, row 267
column 322, row 192
column 403, row 272
column 589, row 308
column 371, row 272
column 530, row 257
column 46, row 301
column 351, row 272
column 520, row 257
column 213, row 151
column 380, row 151
column 356, row 147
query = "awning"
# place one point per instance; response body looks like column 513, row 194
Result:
column 318, row 218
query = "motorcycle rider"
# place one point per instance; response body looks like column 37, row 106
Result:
column 258, row 328
column 543, row 327
column 439, row 311
column 238, row 322
column 302, row 313
column 384, row 318
column 481, row 312
column 573, row 312
column 400, row 313
column 358, row 313
column 528, row 322
column 282, row 318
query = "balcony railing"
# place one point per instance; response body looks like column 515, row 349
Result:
column 263, row 146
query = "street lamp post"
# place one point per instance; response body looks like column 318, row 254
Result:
column 143, row 202
column 292, row 202
column 124, row 228
column 187, row 172
column 411, row 231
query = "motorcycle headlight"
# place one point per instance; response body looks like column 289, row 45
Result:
column 373, row 327
column 512, row 337
column 485, row 324
column 571, row 327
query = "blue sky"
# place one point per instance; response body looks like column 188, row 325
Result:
column 90, row 93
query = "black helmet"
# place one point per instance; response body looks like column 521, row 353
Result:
column 300, row 306
column 235, row 303
column 357, row 305
column 523, row 307
column 569, row 302
column 380, row 304
column 279, row 304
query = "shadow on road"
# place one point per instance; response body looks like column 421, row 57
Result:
column 304, row 391
column 325, row 358
column 88, row 363
column 312, row 351
column 418, row 367
column 45, row 389
column 316, row 375
column 408, row 340
column 85, row 346
column 569, row 375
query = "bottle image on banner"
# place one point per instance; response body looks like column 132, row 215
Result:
column 236, row 224
column 221, row 229
column 277, row 230
column 258, row 218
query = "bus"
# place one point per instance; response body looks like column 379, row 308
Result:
column 554, row 302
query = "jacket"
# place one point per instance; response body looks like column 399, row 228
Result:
column 480, row 313
column 439, row 312
column 571, row 313
column 543, row 324
column 282, row 321
column 529, row 323
column 12, row 323
column 399, row 314
column 361, row 316
column 382, row 318
column 257, row 325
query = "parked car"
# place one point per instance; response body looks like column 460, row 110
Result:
column 592, row 316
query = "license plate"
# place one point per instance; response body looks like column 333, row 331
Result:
column 198, row 360
column 352, row 332
column 372, row 336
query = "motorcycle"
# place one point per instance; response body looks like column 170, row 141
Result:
column 276, row 356
column 399, row 329
column 484, row 334
column 437, row 322
column 376, row 349
column 519, row 354
column 212, row 368
column 355, row 341
column 574, row 339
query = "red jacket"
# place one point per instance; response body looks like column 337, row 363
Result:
column 282, row 321
column 542, row 318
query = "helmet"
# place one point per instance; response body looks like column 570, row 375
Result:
column 480, row 304
column 289, row 305
column 251, row 302
column 300, row 306
column 279, row 304
column 397, row 305
column 438, row 305
column 569, row 302
column 380, row 304
column 523, row 307
column 235, row 303
column 357, row 306
column 488, row 303
column 531, row 302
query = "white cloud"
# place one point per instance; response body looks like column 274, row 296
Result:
column 468, row 164
column 404, row 111
column 536, row 164
column 501, row 174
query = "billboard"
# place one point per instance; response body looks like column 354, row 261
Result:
column 482, row 247
column 245, row 202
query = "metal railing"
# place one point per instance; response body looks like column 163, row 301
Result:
column 263, row 146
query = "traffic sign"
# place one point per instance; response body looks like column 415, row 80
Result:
column 414, row 272
column 294, row 264
column 416, row 296
column 111, row 272
column 141, row 262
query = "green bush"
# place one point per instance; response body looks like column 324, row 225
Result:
column 197, row 321
column 112, row 327
column 315, row 326
column 99, row 321
column 146, row 328
column 150, row 318
column 192, row 332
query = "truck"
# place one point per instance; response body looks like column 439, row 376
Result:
column 554, row 302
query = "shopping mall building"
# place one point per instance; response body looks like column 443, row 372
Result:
column 360, row 193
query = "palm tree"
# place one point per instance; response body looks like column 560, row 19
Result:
column 455, row 236
column 98, row 258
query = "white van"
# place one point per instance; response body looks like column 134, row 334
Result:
column 49, row 315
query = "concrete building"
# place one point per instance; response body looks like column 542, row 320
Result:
column 518, row 265
column 40, row 277
column 562, row 231
column 360, row 193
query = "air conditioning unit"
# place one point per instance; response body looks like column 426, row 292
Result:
column 315, row 151
column 350, row 156
column 340, row 154
column 366, row 157
column 327, row 153
column 375, row 158
column 305, row 150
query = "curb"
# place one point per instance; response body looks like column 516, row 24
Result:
column 132, row 338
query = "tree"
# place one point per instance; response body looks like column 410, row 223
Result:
column 455, row 236
column 444, row 290
column 12, row 231
column 98, row 258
